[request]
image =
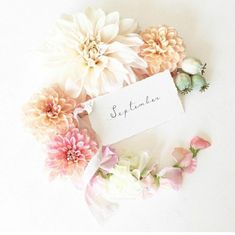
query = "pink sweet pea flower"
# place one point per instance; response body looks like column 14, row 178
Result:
column 150, row 186
column 171, row 176
column 109, row 158
column 184, row 159
column 199, row 143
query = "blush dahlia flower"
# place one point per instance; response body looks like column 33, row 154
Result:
column 49, row 111
column 69, row 153
column 162, row 49
column 95, row 52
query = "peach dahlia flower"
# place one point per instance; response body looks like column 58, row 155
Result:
column 49, row 111
column 162, row 49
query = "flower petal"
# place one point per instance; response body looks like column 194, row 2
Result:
column 109, row 158
column 109, row 32
column 112, row 18
column 199, row 143
column 127, row 26
column 171, row 176
column 84, row 24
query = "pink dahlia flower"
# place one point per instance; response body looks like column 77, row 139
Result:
column 69, row 153
column 184, row 159
column 199, row 143
column 150, row 186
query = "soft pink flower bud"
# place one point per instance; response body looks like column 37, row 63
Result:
column 199, row 143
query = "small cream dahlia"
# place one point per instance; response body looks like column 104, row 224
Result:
column 95, row 52
column 163, row 49
column 70, row 152
column 49, row 111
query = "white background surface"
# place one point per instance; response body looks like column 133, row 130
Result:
column 28, row 202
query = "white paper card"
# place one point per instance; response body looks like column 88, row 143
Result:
column 135, row 108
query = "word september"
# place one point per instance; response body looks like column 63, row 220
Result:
column 132, row 107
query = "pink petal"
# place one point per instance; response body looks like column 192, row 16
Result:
column 179, row 154
column 199, row 143
column 149, row 185
column 191, row 168
column 109, row 158
column 171, row 176
column 186, row 162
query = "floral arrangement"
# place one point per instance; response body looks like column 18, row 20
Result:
column 94, row 53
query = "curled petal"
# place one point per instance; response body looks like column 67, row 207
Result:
column 184, row 159
column 171, row 176
column 150, row 186
column 191, row 168
column 109, row 158
column 199, row 143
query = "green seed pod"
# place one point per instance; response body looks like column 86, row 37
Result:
column 193, row 66
column 184, row 83
column 199, row 83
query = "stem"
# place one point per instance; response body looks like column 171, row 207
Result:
column 194, row 151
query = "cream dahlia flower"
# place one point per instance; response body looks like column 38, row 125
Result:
column 96, row 52
column 162, row 49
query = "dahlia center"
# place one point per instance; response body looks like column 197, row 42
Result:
column 160, row 46
column 52, row 110
column 92, row 50
column 73, row 155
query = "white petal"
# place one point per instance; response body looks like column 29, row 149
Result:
column 139, row 63
column 109, row 82
column 96, row 17
column 91, row 14
column 108, row 33
column 99, row 24
column 131, row 77
column 94, row 14
column 132, row 40
column 112, row 18
column 115, row 66
column 84, row 24
column 126, row 55
column 115, row 47
column 91, row 83
column 73, row 87
column 128, row 25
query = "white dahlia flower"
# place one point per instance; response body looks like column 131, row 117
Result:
column 94, row 52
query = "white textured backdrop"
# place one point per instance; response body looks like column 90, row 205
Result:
column 28, row 202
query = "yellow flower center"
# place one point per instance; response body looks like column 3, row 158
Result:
column 91, row 50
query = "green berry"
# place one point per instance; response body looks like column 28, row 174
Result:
column 184, row 83
column 193, row 66
column 199, row 83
